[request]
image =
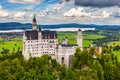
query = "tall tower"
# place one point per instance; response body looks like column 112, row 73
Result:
column 40, row 34
column 79, row 38
column 34, row 24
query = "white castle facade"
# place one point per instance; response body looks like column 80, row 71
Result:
column 37, row 43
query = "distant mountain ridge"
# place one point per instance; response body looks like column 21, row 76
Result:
column 21, row 26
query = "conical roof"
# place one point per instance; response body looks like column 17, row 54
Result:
column 79, row 30
column 34, row 19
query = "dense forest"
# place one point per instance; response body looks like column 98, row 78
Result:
column 83, row 67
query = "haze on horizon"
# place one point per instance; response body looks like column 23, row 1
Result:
column 61, row 11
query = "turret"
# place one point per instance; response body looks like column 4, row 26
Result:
column 79, row 38
column 79, row 32
column 34, row 24
column 66, row 40
column 40, row 33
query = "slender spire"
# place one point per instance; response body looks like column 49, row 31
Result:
column 34, row 23
column 39, row 28
column 34, row 19
column 79, row 30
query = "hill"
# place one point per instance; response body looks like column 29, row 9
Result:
column 21, row 26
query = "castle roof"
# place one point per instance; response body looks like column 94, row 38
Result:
column 67, row 45
column 34, row 19
column 33, row 35
column 49, row 35
column 79, row 30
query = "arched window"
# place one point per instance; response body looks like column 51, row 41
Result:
column 62, row 60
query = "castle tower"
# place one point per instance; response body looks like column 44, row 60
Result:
column 79, row 38
column 34, row 24
column 40, row 33
column 66, row 40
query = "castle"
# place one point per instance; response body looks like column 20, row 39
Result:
column 37, row 43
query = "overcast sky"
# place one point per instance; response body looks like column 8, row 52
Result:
column 98, row 3
column 61, row 11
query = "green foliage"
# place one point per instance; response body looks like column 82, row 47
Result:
column 11, row 44
column 5, row 51
column 83, row 67
column 16, row 43
column 13, row 66
column 103, row 68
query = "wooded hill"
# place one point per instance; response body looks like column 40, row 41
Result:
column 84, row 67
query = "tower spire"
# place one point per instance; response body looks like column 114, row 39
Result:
column 34, row 23
column 79, row 38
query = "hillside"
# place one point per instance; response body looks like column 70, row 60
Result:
column 16, row 25
column 83, row 67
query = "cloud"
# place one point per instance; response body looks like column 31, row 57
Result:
column 0, row 7
column 3, row 13
column 76, row 12
column 98, row 3
column 102, row 15
column 57, row 7
column 116, row 15
column 19, row 14
column 26, row 1
column 105, row 14
column 40, row 14
column 65, row 12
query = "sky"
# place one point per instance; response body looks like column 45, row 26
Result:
column 101, row 12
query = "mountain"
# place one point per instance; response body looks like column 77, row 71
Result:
column 21, row 26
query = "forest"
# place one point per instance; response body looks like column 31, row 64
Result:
column 83, row 67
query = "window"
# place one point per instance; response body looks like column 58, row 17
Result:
column 62, row 60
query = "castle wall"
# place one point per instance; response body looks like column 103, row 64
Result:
column 79, row 39
column 37, row 43
column 37, row 48
column 64, row 53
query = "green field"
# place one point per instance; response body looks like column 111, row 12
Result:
column 70, row 35
column 117, row 53
column 115, row 43
column 87, row 38
column 92, row 36
column 11, row 44
column 16, row 43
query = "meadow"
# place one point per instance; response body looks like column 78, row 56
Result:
column 15, row 43
column 117, row 53
column 115, row 43
column 72, row 37
column 11, row 44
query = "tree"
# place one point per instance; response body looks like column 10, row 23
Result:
column 97, row 66
column 70, row 75
column 76, row 58
column 5, row 51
